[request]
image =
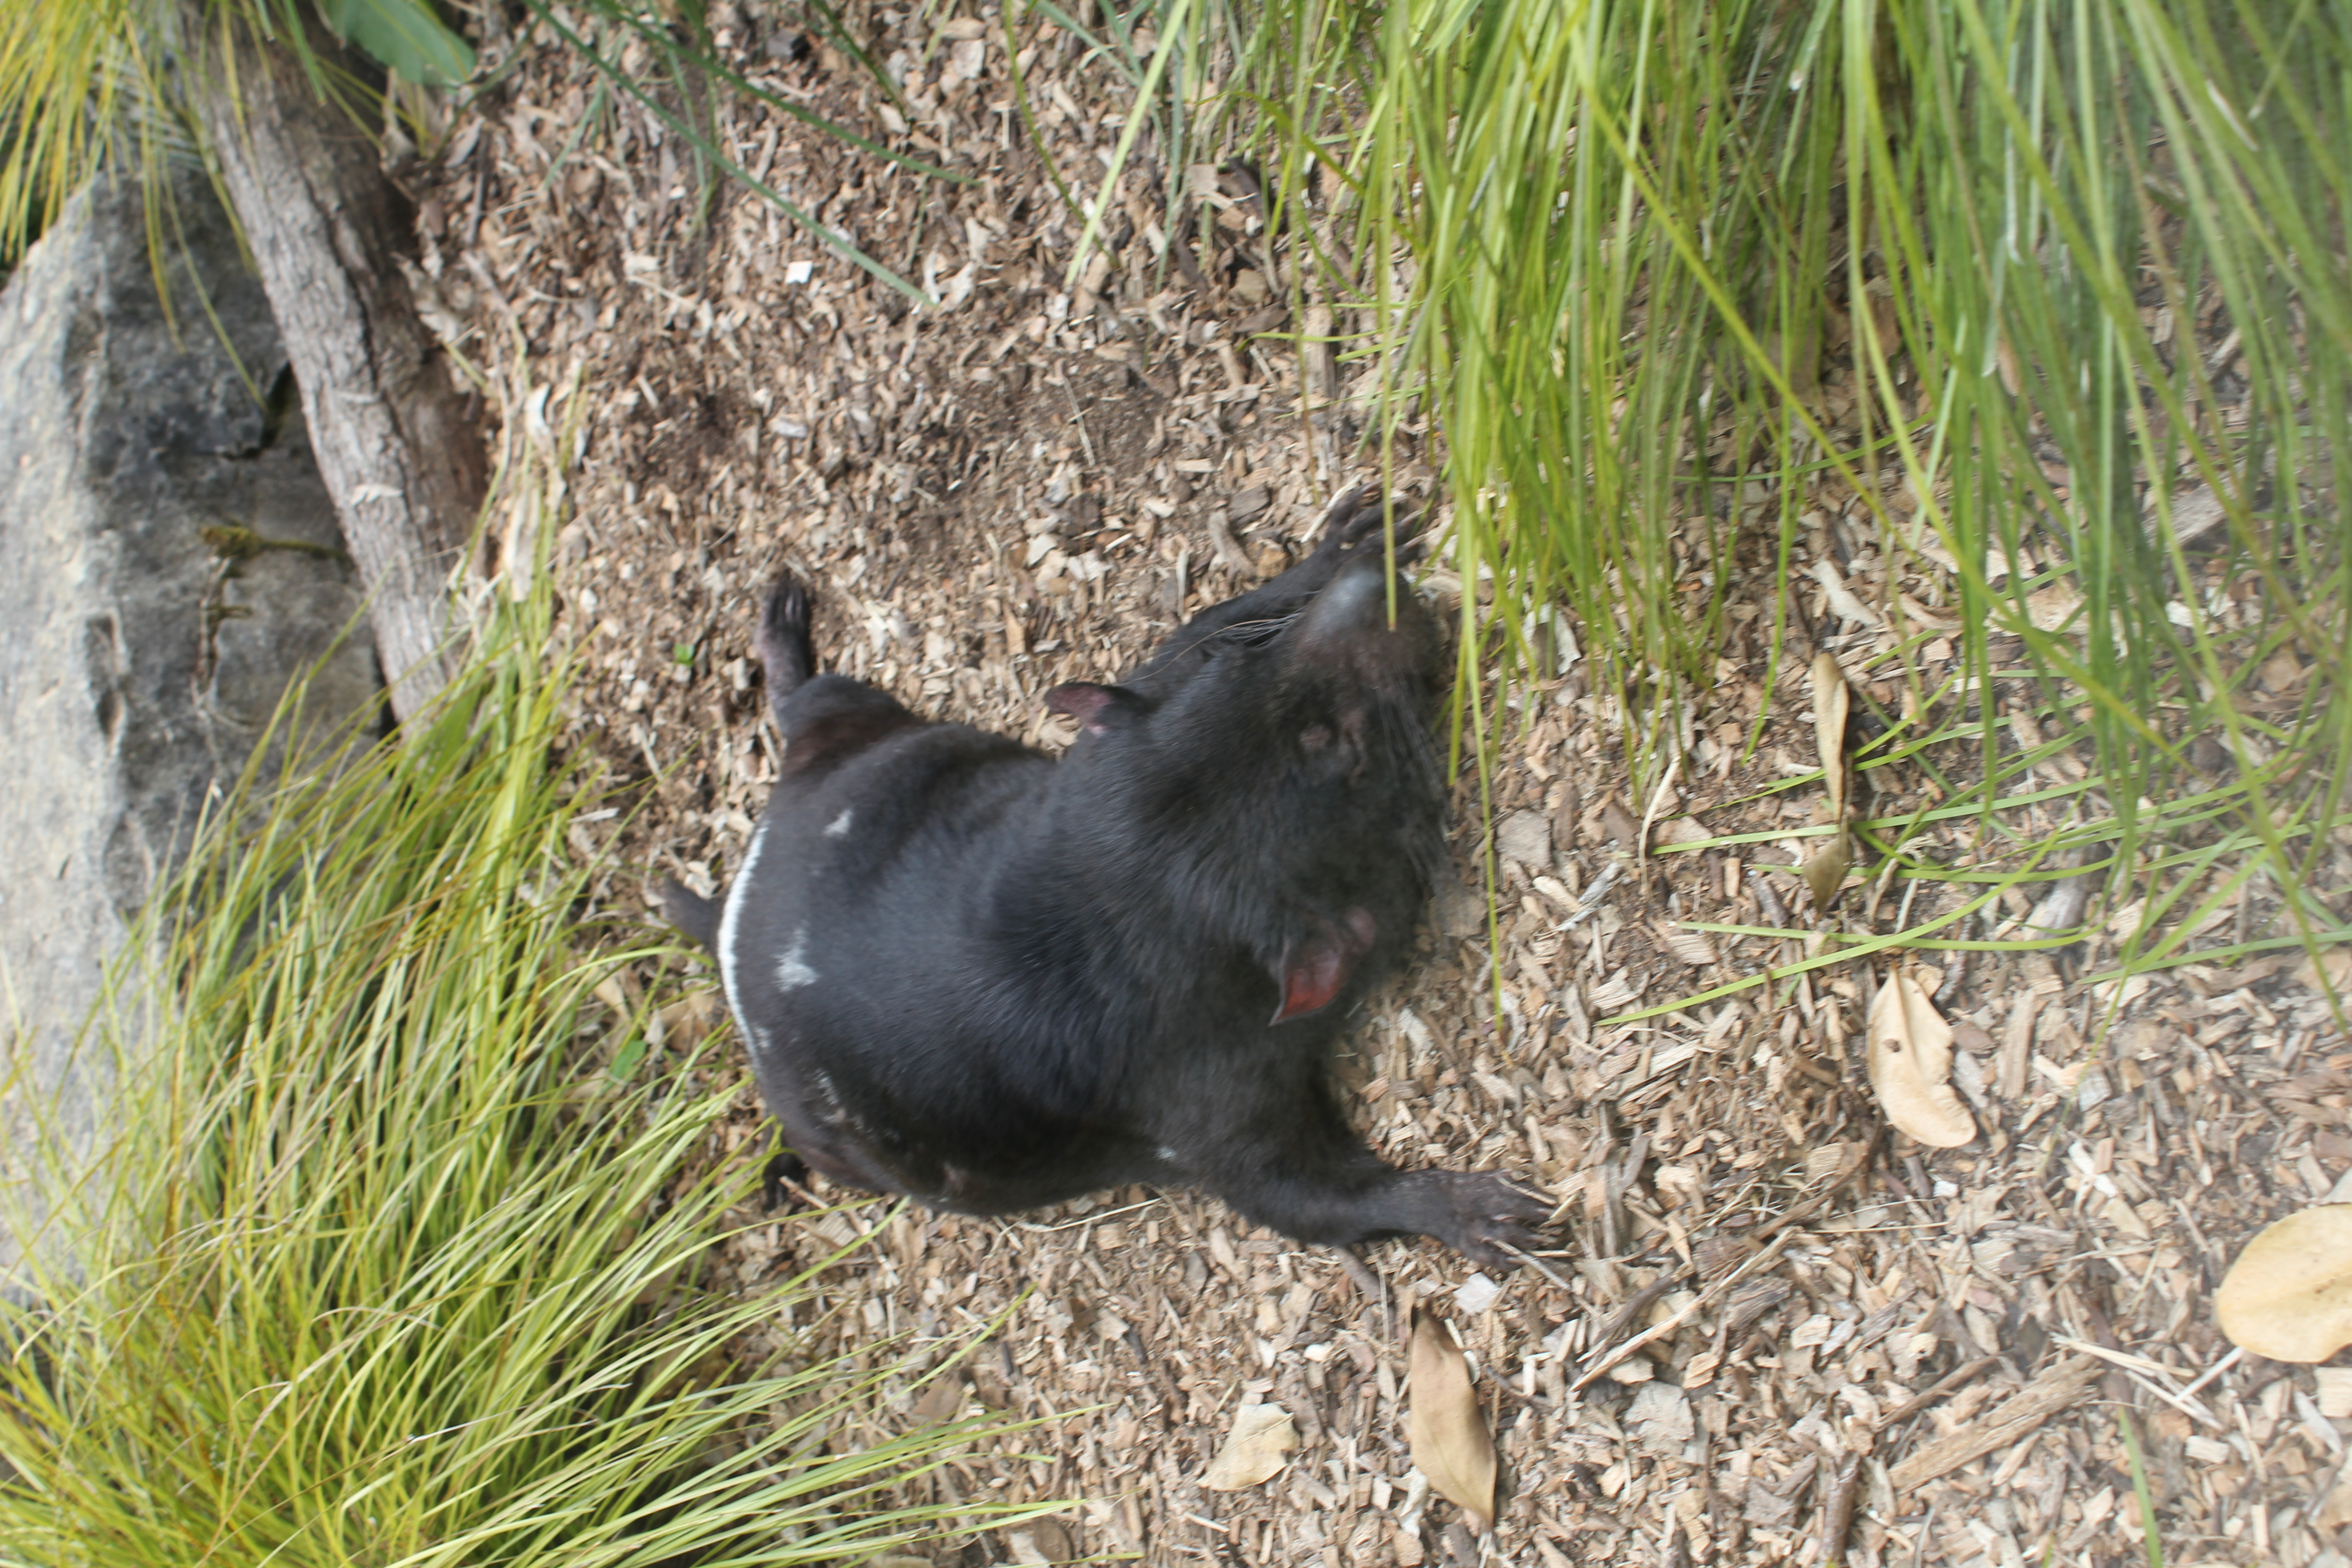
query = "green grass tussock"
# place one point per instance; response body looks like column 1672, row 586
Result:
column 389, row 1266
column 2045, row 307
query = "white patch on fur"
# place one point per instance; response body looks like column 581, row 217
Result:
column 1167, row 1155
column 792, row 970
column 839, row 827
column 837, row 1116
column 753, row 1038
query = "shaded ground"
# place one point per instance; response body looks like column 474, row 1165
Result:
column 1027, row 488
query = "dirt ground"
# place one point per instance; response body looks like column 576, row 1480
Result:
column 1029, row 486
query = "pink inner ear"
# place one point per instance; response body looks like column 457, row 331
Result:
column 1078, row 699
column 1319, row 966
column 1311, row 981
column 1083, row 700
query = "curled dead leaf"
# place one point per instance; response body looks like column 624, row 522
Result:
column 1831, row 701
column 1824, row 874
column 1258, row 1445
column 1911, row 1065
column 1451, row 1445
column 2289, row 1294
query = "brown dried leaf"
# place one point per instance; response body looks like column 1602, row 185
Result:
column 1620, row 826
column 1832, row 702
column 1911, row 1065
column 1450, row 1441
column 2052, row 608
column 2289, row 1294
column 1681, row 831
column 1824, row 874
column 2335, row 969
column 1258, row 1446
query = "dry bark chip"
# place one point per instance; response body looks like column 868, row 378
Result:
column 1767, row 1509
column 1258, row 1445
column 2289, row 1294
column 1451, row 1445
column 1690, row 946
column 1525, row 836
column 1681, row 831
column 1911, row 1065
column 2335, row 1385
column 1661, row 1417
column 2334, row 1510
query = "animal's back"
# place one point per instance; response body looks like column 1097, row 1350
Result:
column 994, row 980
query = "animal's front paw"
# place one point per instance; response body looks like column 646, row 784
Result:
column 1490, row 1214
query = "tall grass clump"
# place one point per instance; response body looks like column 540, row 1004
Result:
column 396, row 1260
column 82, row 79
column 2050, row 302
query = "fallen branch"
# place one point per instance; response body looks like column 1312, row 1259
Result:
column 2038, row 1401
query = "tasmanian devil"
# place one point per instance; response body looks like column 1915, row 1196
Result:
column 972, row 973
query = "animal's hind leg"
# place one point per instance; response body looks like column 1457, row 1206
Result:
column 785, row 650
column 799, row 698
column 783, row 1181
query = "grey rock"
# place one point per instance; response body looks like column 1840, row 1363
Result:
column 141, row 663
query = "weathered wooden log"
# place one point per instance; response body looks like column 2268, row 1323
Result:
column 401, row 452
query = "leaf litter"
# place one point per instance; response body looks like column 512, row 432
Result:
column 2288, row 1295
column 1910, row 1058
column 1259, row 1444
column 1770, row 1320
column 1446, row 1430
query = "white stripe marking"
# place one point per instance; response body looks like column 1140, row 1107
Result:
column 735, row 894
column 839, row 827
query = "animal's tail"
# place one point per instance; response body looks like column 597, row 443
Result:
column 690, row 913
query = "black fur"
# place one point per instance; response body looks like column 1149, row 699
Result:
column 995, row 981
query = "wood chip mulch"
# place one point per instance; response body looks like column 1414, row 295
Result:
column 1770, row 1320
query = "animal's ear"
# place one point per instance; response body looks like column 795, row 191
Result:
column 1315, row 968
column 1099, row 708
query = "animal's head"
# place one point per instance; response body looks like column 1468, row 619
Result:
column 1279, row 781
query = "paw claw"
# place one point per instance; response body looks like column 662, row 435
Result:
column 1492, row 1214
column 1357, row 517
